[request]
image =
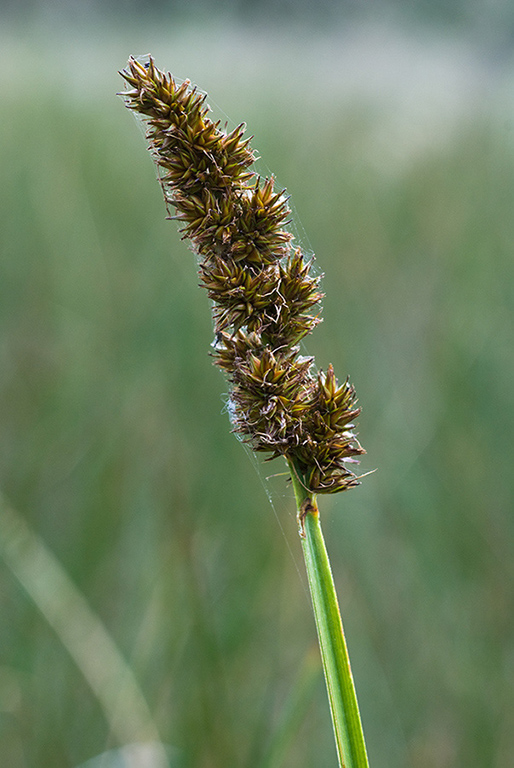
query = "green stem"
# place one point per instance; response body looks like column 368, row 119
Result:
column 349, row 737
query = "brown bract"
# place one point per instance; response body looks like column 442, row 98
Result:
column 261, row 287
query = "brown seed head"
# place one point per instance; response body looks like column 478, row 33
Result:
column 262, row 289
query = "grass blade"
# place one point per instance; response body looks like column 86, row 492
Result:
column 80, row 630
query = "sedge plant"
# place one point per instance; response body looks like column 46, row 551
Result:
column 265, row 300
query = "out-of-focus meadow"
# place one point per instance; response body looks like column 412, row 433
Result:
column 139, row 530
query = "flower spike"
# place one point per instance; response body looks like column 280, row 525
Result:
column 263, row 294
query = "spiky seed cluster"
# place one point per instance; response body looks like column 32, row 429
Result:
column 261, row 287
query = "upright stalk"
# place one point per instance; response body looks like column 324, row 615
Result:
column 265, row 301
column 346, row 721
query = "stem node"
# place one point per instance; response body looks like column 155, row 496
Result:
column 308, row 507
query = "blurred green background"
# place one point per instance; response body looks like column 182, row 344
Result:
column 393, row 133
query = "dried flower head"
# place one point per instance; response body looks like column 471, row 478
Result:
column 264, row 295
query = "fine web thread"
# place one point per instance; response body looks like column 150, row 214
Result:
column 264, row 479
column 260, row 466
column 300, row 240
